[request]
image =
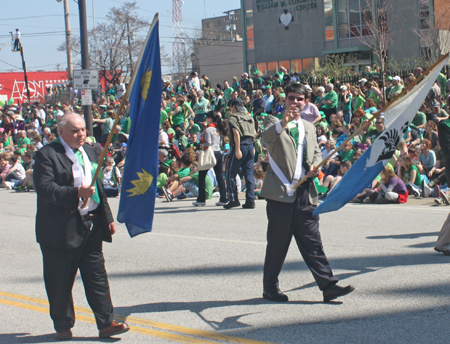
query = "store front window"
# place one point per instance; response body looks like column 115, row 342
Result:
column 328, row 14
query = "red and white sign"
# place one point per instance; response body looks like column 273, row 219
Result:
column 86, row 97
column 12, row 85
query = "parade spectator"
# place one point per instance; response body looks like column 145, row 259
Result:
column 330, row 100
column 111, row 178
column 212, row 137
column 427, row 157
column 396, row 89
column 410, row 175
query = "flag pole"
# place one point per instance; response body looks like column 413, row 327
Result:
column 407, row 89
column 119, row 112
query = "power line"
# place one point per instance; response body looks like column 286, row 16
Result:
column 9, row 64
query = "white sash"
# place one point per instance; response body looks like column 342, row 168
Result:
column 80, row 176
column 299, row 170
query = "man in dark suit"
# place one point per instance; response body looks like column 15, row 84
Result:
column 71, row 236
column 293, row 153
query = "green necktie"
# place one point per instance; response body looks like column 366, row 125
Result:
column 293, row 129
column 79, row 156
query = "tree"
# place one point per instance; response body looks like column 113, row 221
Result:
column 434, row 34
column 115, row 44
column 375, row 32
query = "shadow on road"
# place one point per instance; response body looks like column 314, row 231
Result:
column 48, row 338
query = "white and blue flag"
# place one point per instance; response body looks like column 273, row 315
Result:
column 398, row 116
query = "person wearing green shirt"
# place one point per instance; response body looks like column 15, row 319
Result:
column 373, row 134
column 191, row 182
column 23, row 139
column 410, row 175
column 193, row 128
column 174, row 182
column 419, row 120
column 358, row 100
column 442, row 81
column 200, row 107
column 164, row 115
column 330, row 100
column 388, row 85
column 227, row 90
column 246, row 83
column 257, row 81
column 107, row 122
column 183, row 141
column 396, row 89
column 346, row 100
column 180, row 112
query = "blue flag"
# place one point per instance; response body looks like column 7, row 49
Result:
column 137, row 201
column 397, row 118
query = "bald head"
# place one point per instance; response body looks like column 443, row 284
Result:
column 72, row 129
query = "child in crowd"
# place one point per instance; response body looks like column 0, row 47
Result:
column 392, row 188
column 163, row 174
column 259, row 181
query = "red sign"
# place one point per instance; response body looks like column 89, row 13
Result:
column 12, row 85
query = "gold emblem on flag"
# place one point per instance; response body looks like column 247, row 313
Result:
column 142, row 184
column 145, row 83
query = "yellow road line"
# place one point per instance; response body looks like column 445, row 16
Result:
column 129, row 319
column 91, row 320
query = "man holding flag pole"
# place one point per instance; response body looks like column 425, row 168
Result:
column 293, row 153
column 137, row 202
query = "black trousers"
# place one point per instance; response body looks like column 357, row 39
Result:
column 218, row 170
column 60, row 269
column 287, row 220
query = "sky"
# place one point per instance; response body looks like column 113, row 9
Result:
column 41, row 24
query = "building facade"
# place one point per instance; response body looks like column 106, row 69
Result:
column 300, row 34
column 219, row 52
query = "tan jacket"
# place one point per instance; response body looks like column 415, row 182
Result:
column 282, row 149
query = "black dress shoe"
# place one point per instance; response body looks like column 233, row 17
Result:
column 249, row 205
column 232, row 204
column 446, row 252
column 276, row 297
column 63, row 335
column 336, row 291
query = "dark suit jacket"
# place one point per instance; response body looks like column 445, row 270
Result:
column 58, row 221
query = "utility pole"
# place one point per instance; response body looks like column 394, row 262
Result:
column 93, row 31
column 87, row 109
column 25, row 74
column 68, row 40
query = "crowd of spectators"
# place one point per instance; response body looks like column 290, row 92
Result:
column 194, row 116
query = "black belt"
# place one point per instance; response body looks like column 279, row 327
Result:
column 88, row 217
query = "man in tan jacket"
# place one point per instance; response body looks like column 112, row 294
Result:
column 293, row 153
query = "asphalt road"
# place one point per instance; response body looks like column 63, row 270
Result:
column 197, row 278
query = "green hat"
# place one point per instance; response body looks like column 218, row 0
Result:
column 389, row 78
column 322, row 114
column 264, row 114
column 268, row 87
column 168, row 162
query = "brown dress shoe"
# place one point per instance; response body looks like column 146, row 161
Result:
column 63, row 335
column 114, row 329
